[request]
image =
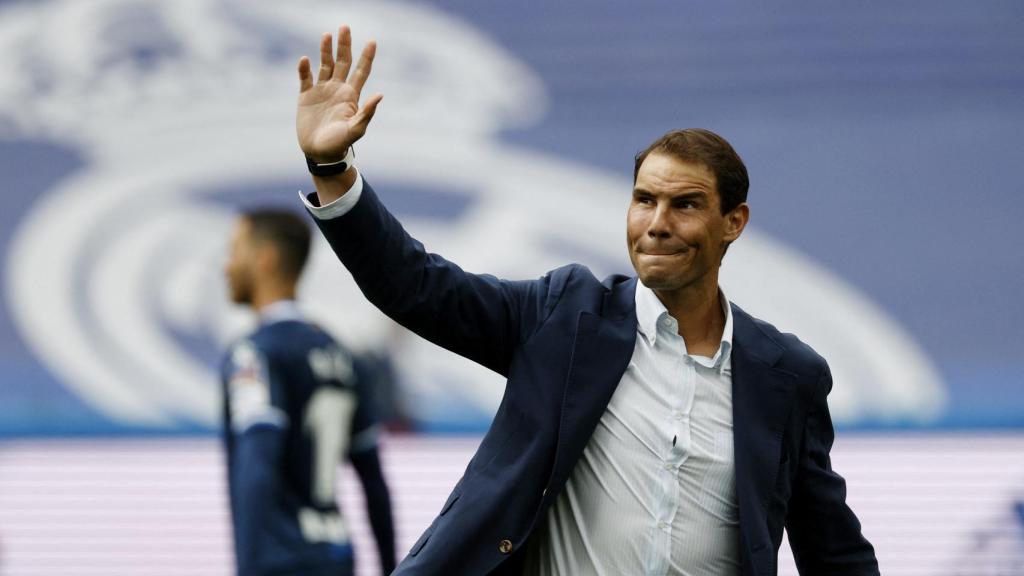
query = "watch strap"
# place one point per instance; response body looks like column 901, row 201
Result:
column 332, row 168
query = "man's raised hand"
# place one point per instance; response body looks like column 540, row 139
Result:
column 329, row 118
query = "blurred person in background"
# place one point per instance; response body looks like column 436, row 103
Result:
column 648, row 426
column 295, row 403
column 998, row 548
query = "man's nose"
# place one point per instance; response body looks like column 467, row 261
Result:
column 659, row 227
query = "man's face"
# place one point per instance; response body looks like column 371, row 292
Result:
column 675, row 229
column 240, row 269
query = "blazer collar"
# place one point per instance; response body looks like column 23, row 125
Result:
column 757, row 344
column 601, row 350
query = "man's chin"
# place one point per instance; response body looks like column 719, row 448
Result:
column 656, row 282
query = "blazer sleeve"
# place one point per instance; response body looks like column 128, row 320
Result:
column 476, row 316
column 824, row 533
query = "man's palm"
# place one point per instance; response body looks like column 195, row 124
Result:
column 328, row 118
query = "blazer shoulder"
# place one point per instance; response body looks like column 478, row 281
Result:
column 569, row 289
column 794, row 355
column 573, row 278
column 563, row 274
column 566, row 282
column 575, row 272
column 583, row 288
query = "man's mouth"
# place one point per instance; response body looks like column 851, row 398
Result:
column 664, row 252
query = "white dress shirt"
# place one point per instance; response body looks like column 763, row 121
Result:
column 654, row 492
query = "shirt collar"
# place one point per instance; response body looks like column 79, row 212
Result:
column 280, row 311
column 650, row 311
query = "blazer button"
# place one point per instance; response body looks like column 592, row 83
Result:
column 505, row 546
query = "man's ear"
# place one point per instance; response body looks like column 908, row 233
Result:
column 735, row 221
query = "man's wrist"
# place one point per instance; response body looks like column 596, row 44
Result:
column 330, row 188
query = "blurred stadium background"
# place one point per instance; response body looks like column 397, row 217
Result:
column 881, row 142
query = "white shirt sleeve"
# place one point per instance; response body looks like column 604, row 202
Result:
column 249, row 397
column 339, row 207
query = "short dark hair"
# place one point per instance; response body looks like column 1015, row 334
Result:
column 704, row 147
column 287, row 232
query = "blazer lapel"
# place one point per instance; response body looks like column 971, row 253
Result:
column 762, row 397
column 601, row 351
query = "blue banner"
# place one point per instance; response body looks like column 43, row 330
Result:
column 881, row 144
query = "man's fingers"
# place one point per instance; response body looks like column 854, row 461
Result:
column 362, row 118
column 326, row 60
column 305, row 77
column 344, row 59
column 362, row 71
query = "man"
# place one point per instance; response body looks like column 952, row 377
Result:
column 295, row 403
column 647, row 427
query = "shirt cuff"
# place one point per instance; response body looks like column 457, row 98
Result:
column 339, row 207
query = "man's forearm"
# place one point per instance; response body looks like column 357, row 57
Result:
column 257, row 483
column 378, row 505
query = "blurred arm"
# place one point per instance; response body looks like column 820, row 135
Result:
column 257, row 428
column 256, row 482
column 378, row 504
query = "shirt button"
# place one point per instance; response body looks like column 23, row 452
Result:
column 662, row 525
column 677, row 415
column 505, row 546
column 668, row 466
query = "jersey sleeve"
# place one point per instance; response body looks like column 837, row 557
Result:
column 250, row 390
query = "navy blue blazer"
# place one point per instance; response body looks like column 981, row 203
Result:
column 563, row 342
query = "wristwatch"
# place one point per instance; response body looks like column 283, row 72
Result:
column 333, row 168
